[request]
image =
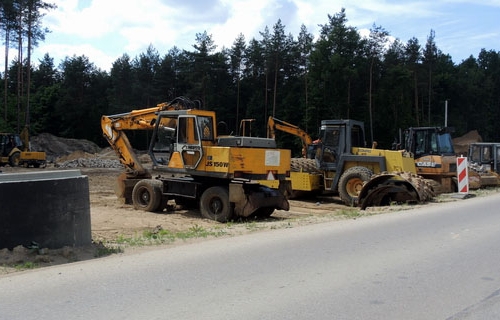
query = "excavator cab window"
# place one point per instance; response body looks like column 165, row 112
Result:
column 162, row 142
column 188, row 139
column 206, row 125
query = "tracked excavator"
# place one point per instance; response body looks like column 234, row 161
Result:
column 339, row 162
column 192, row 164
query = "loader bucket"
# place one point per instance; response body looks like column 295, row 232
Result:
column 387, row 188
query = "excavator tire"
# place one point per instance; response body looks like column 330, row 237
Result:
column 351, row 183
column 147, row 195
column 396, row 187
column 214, row 204
column 303, row 165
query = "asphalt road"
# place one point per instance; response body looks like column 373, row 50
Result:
column 437, row 262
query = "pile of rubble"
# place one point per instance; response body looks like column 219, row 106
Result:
column 74, row 153
column 461, row 144
column 89, row 163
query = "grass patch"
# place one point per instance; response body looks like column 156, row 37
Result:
column 350, row 213
column 103, row 250
column 25, row 266
column 161, row 236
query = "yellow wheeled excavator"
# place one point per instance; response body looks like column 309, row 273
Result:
column 191, row 163
column 338, row 162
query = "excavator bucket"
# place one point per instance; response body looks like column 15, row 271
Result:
column 125, row 184
column 399, row 187
column 250, row 198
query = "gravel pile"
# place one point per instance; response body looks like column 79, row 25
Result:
column 89, row 163
column 74, row 153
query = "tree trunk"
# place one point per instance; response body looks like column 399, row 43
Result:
column 275, row 86
column 370, row 101
column 6, row 77
column 416, row 97
column 19, row 71
column 28, row 71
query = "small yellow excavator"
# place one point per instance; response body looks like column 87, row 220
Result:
column 193, row 164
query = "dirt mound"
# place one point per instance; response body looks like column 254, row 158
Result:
column 461, row 144
column 56, row 147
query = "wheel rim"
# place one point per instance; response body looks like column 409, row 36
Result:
column 354, row 186
column 215, row 206
column 144, row 197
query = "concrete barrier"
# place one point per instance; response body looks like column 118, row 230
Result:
column 50, row 208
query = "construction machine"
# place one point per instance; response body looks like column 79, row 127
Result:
column 15, row 152
column 434, row 155
column 484, row 164
column 339, row 162
column 192, row 164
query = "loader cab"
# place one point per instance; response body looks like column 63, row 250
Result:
column 424, row 141
column 9, row 141
column 486, row 155
column 337, row 137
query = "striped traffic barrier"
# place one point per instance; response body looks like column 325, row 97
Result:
column 462, row 175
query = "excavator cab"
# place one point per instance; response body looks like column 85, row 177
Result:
column 179, row 137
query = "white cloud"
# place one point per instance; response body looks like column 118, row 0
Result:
column 105, row 29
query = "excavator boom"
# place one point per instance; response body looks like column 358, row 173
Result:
column 274, row 124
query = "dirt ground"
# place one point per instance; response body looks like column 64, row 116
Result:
column 112, row 219
column 118, row 226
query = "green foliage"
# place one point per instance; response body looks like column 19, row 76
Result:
column 299, row 80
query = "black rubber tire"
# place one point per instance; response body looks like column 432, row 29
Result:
column 214, row 204
column 147, row 195
column 15, row 159
column 351, row 182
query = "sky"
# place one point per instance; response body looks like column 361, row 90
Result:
column 104, row 30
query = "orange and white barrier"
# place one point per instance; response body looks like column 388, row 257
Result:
column 462, row 175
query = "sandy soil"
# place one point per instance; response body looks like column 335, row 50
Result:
column 110, row 218
column 118, row 226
